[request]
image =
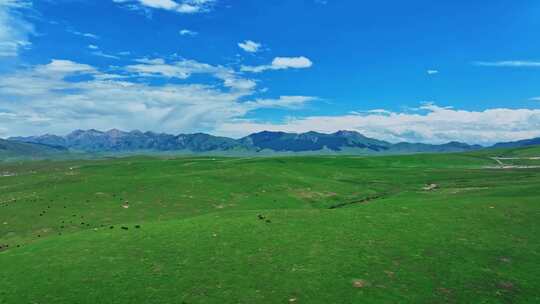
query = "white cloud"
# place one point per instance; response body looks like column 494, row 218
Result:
column 432, row 72
column 187, row 8
column 104, row 55
column 281, row 63
column 511, row 63
column 164, row 4
column 377, row 111
column 186, row 32
column 93, row 47
column 42, row 99
column 87, row 35
column 184, row 6
column 15, row 31
column 431, row 124
column 65, row 67
column 250, row 46
column 289, row 102
column 291, row 62
column 183, row 69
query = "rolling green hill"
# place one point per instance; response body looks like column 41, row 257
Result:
column 531, row 151
column 441, row 228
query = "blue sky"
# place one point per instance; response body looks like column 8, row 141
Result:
column 427, row 71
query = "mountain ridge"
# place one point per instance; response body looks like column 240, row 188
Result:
column 343, row 141
column 518, row 143
column 13, row 149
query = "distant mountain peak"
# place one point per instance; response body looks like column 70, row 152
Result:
column 347, row 133
column 343, row 141
column 80, row 132
column 114, row 131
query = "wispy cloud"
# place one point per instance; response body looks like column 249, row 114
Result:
column 432, row 72
column 15, row 31
column 289, row 102
column 183, row 69
column 510, row 63
column 97, row 52
column 87, row 35
column 250, row 46
column 186, row 32
column 281, row 63
column 100, row 53
column 183, row 6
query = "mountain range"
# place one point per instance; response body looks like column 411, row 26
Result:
column 266, row 141
column 345, row 142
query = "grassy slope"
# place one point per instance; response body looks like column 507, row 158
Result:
column 475, row 239
column 525, row 156
column 531, row 151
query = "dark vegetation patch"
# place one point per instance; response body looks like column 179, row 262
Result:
column 360, row 201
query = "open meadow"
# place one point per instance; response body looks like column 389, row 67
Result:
column 441, row 228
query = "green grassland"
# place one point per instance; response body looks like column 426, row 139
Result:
column 327, row 229
column 530, row 151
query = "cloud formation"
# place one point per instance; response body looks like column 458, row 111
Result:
column 429, row 124
column 186, row 32
column 47, row 97
column 184, row 6
column 64, row 95
column 100, row 53
column 183, row 69
column 510, row 63
column 281, row 63
column 290, row 102
column 15, row 31
column 250, row 46
column 86, row 35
